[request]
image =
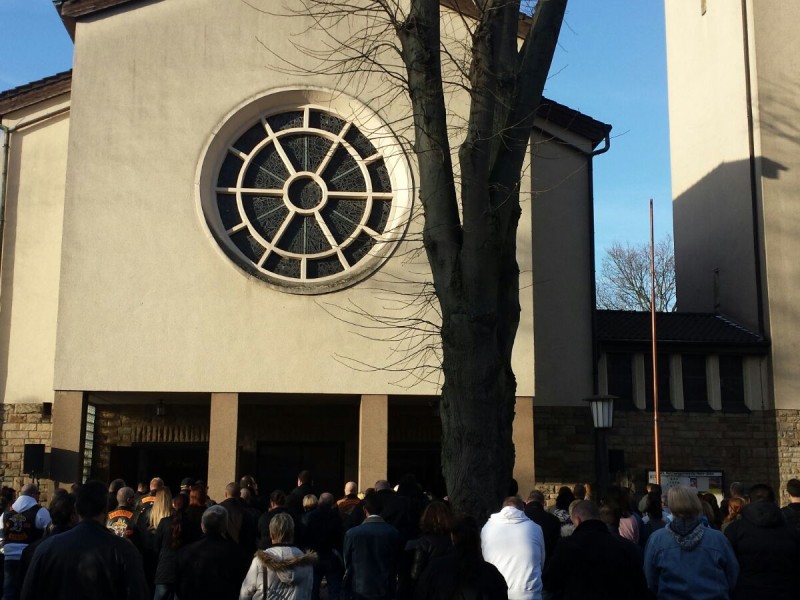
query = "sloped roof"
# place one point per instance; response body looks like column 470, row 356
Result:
column 620, row 327
column 79, row 8
column 35, row 91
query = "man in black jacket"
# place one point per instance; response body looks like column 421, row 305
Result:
column 294, row 501
column 593, row 563
column 88, row 561
column 214, row 567
column 767, row 549
column 551, row 526
column 791, row 512
column 241, row 524
column 370, row 556
column 324, row 536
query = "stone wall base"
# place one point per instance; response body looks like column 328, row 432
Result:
column 22, row 424
column 759, row 447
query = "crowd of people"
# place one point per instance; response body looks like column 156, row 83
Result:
column 114, row 542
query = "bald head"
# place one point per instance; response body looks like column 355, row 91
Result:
column 125, row 496
column 29, row 489
column 381, row 485
column 326, row 498
column 350, row 488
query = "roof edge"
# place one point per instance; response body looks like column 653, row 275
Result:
column 80, row 8
column 73, row 9
column 573, row 120
column 35, row 92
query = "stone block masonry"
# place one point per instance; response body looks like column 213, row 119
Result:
column 762, row 446
column 22, row 424
column 125, row 425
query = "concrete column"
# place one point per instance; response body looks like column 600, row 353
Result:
column 66, row 453
column 373, row 440
column 223, row 440
column 755, row 381
column 639, row 382
column 676, row 383
column 524, row 471
column 713, row 383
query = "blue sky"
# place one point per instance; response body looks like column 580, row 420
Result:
column 610, row 65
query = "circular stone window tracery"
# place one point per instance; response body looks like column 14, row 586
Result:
column 308, row 198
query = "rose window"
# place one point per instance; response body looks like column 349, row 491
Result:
column 304, row 200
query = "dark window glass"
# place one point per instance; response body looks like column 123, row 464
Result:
column 695, row 389
column 619, row 368
column 664, row 405
column 731, row 381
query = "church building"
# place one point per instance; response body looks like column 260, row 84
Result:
column 211, row 242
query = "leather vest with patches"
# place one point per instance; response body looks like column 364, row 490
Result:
column 20, row 528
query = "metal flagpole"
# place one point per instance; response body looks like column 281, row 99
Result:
column 655, row 356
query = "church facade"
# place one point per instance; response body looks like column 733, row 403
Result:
column 212, row 265
column 206, row 234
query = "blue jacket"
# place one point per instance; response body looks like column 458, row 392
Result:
column 695, row 563
column 371, row 551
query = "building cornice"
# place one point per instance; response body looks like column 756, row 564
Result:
column 35, row 92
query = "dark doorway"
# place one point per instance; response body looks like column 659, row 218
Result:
column 171, row 462
column 423, row 460
column 277, row 466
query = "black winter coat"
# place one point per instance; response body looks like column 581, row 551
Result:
column 791, row 513
column 88, row 562
column 213, row 569
column 457, row 575
column 768, row 551
column 551, row 526
column 428, row 547
column 594, row 563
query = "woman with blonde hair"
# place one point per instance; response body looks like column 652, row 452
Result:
column 162, row 507
column 686, row 559
column 281, row 571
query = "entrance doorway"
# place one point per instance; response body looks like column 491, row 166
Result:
column 171, row 462
column 423, row 460
column 278, row 463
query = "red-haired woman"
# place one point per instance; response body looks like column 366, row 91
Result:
column 435, row 526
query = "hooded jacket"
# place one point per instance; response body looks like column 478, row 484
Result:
column 688, row 560
column 515, row 545
column 768, row 551
column 11, row 550
column 279, row 573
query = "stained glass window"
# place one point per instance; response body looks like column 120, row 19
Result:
column 305, row 196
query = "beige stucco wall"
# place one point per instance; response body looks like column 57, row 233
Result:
column 777, row 57
column 32, row 251
column 711, row 168
column 147, row 300
column 710, row 160
column 562, row 268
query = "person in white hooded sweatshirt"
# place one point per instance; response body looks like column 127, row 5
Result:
column 515, row 545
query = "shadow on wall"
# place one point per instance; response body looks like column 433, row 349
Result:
column 715, row 259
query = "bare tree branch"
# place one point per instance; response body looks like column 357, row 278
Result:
column 624, row 282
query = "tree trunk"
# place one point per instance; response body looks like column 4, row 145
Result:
column 477, row 413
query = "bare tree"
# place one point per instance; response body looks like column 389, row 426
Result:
column 624, row 282
column 470, row 198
